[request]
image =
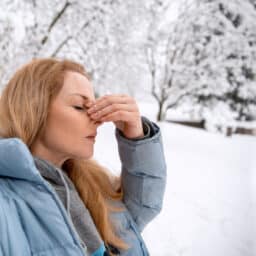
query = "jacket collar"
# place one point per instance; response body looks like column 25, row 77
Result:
column 16, row 160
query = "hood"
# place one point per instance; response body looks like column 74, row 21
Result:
column 16, row 161
column 55, row 176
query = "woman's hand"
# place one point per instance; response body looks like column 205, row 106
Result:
column 122, row 110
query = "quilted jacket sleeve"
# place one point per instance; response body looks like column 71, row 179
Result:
column 143, row 175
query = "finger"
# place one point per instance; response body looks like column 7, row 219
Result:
column 118, row 116
column 109, row 100
column 112, row 108
column 89, row 103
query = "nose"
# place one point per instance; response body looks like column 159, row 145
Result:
column 97, row 123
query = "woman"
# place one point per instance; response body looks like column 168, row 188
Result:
column 54, row 198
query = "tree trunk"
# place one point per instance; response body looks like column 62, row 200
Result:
column 161, row 113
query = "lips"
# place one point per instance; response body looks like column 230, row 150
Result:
column 92, row 136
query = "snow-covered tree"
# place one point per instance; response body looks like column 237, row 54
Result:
column 205, row 59
column 225, row 59
column 200, row 59
column 71, row 29
column 102, row 35
column 155, row 54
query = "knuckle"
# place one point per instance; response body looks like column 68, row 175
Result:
column 122, row 114
column 115, row 107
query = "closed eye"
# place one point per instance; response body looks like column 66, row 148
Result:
column 80, row 108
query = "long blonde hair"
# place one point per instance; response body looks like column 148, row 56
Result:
column 24, row 106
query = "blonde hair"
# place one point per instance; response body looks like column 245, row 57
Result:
column 24, row 106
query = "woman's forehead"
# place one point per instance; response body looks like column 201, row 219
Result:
column 77, row 85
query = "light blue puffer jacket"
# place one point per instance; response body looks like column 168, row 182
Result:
column 33, row 220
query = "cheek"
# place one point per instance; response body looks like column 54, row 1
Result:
column 66, row 133
column 67, row 125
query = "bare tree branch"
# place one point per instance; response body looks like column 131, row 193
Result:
column 54, row 54
column 54, row 21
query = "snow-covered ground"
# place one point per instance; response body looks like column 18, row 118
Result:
column 209, row 207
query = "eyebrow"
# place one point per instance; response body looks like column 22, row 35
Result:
column 81, row 95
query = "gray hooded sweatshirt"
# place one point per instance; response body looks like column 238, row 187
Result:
column 76, row 210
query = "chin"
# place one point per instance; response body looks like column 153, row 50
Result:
column 81, row 153
column 83, row 156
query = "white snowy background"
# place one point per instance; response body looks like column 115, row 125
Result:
column 209, row 204
column 182, row 60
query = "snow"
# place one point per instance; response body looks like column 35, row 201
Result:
column 208, row 205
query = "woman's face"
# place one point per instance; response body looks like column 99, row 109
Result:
column 68, row 124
